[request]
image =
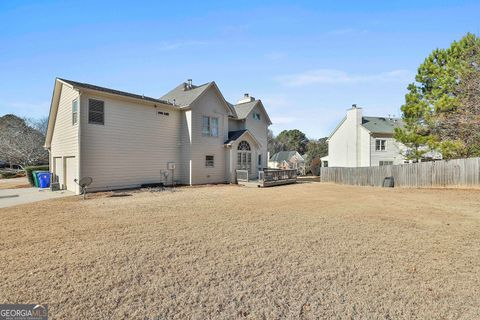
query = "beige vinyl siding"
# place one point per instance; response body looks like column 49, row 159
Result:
column 65, row 135
column 185, row 147
column 234, row 125
column 208, row 105
column 259, row 129
column 133, row 145
column 392, row 152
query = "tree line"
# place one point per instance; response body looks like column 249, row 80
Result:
column 296, row 140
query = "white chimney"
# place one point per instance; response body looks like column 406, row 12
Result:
column 354, row 123
column 246, row 98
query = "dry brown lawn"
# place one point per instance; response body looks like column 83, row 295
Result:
column 307, row 251
column 14, row 183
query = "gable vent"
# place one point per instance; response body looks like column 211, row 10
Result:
column 96, row 111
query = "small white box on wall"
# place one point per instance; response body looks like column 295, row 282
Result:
column 170, row 165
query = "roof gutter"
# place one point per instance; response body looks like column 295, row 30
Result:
column 144, row 101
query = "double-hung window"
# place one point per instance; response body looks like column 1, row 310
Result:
column 210, row 126
column 380, row 145
column 74, row 112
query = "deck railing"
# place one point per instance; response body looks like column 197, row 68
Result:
column 273, row 177
column 242, row 175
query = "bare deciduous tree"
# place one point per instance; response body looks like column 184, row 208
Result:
column 21, row 142
column 40, row 124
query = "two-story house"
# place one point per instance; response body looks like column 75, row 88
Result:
column 191, row 135
column 360, row 141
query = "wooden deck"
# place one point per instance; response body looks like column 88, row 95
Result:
column 268, row 178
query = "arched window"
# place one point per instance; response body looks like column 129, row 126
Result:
column 244, row 146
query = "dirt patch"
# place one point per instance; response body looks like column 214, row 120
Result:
column 308, row 250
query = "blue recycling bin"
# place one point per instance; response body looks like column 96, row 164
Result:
column 43, row 179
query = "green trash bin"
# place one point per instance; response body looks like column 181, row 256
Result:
column 35, row 178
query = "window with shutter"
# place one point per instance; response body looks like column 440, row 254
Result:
column 96, row 112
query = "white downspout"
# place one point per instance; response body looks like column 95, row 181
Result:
column 79, row 154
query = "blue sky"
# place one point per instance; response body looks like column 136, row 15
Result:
column 307, row 60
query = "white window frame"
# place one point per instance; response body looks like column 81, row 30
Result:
column 257, row 116
column 210, row 163
column 74, row 112
column 211, row 127
column 380, row 145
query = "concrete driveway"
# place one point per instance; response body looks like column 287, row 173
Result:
column 13, row 197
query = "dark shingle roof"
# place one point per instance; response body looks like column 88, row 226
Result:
column 234, row 135
column 112, row 91
column 185, row 97
column 381, row 124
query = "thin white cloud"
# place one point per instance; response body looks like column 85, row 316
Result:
column 276, row 101
column 332, row 77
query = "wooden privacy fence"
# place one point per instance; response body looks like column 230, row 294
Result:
column 444, row 173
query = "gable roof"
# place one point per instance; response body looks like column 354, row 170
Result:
column 242, row 110
column 88, row 86
column 232, row 109
column 285, row 156
column 59, row 82
column 381, row 124
column 375, row 125
column 185, row 97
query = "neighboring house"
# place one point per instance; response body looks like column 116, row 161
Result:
column 287, row 160
column 360, row 141
column 191, row 135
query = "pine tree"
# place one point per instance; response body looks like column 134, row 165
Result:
column 433, row 104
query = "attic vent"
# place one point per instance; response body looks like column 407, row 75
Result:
column 96, row 111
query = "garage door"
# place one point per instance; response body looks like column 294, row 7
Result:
column 58, row 170
column 70, row 173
